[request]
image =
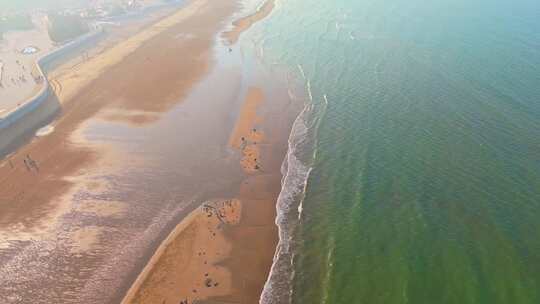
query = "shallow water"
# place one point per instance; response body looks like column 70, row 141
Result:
column 422, row 148
column 89, row 244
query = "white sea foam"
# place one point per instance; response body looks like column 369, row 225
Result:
column 290, row 204
column 310, row 94
column 302, row 72
column 45, row 131
column 277, row 287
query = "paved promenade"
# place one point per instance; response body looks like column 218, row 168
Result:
column 19, row 77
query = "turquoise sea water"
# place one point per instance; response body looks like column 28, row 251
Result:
column 414, row 171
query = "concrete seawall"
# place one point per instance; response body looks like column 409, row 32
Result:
column 14, row 123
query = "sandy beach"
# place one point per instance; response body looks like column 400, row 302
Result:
column 186, row 266
column 207, row 260
column 226, row 260
column 112, row 83
column 74, row 196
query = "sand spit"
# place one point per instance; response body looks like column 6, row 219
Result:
column 177, row 271
column 246, row 135
column 243, row 24
column 36, row 182
column 187, row 265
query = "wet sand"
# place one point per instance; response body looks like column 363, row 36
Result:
column 264, row 121
column 187, row 265
column 245, row 135
column 129, row 80
column 243, row 24
column 120, row 218
column 237, row 255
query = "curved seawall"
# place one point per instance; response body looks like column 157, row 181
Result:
column 23, row 119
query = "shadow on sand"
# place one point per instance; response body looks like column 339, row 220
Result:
column 24, row 130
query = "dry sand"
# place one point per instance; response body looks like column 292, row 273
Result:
column 246, row 135
column 176, row 272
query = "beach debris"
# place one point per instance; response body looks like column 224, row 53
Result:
column 208, row 282
column 216, row 284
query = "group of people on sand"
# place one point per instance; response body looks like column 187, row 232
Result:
column 219, row 210
column 244, row 144
column 17, row 80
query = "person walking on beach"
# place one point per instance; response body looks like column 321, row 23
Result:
column 26, row 165
column 31, row 163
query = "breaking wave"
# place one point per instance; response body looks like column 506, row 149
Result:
column 296, row 169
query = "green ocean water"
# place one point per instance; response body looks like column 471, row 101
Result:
column 414, row 173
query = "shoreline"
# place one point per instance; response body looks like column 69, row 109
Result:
column 107, row 88
column 262, row 145
column 38, row 204
column 243, row 24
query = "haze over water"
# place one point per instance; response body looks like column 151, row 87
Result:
column 425, row 153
